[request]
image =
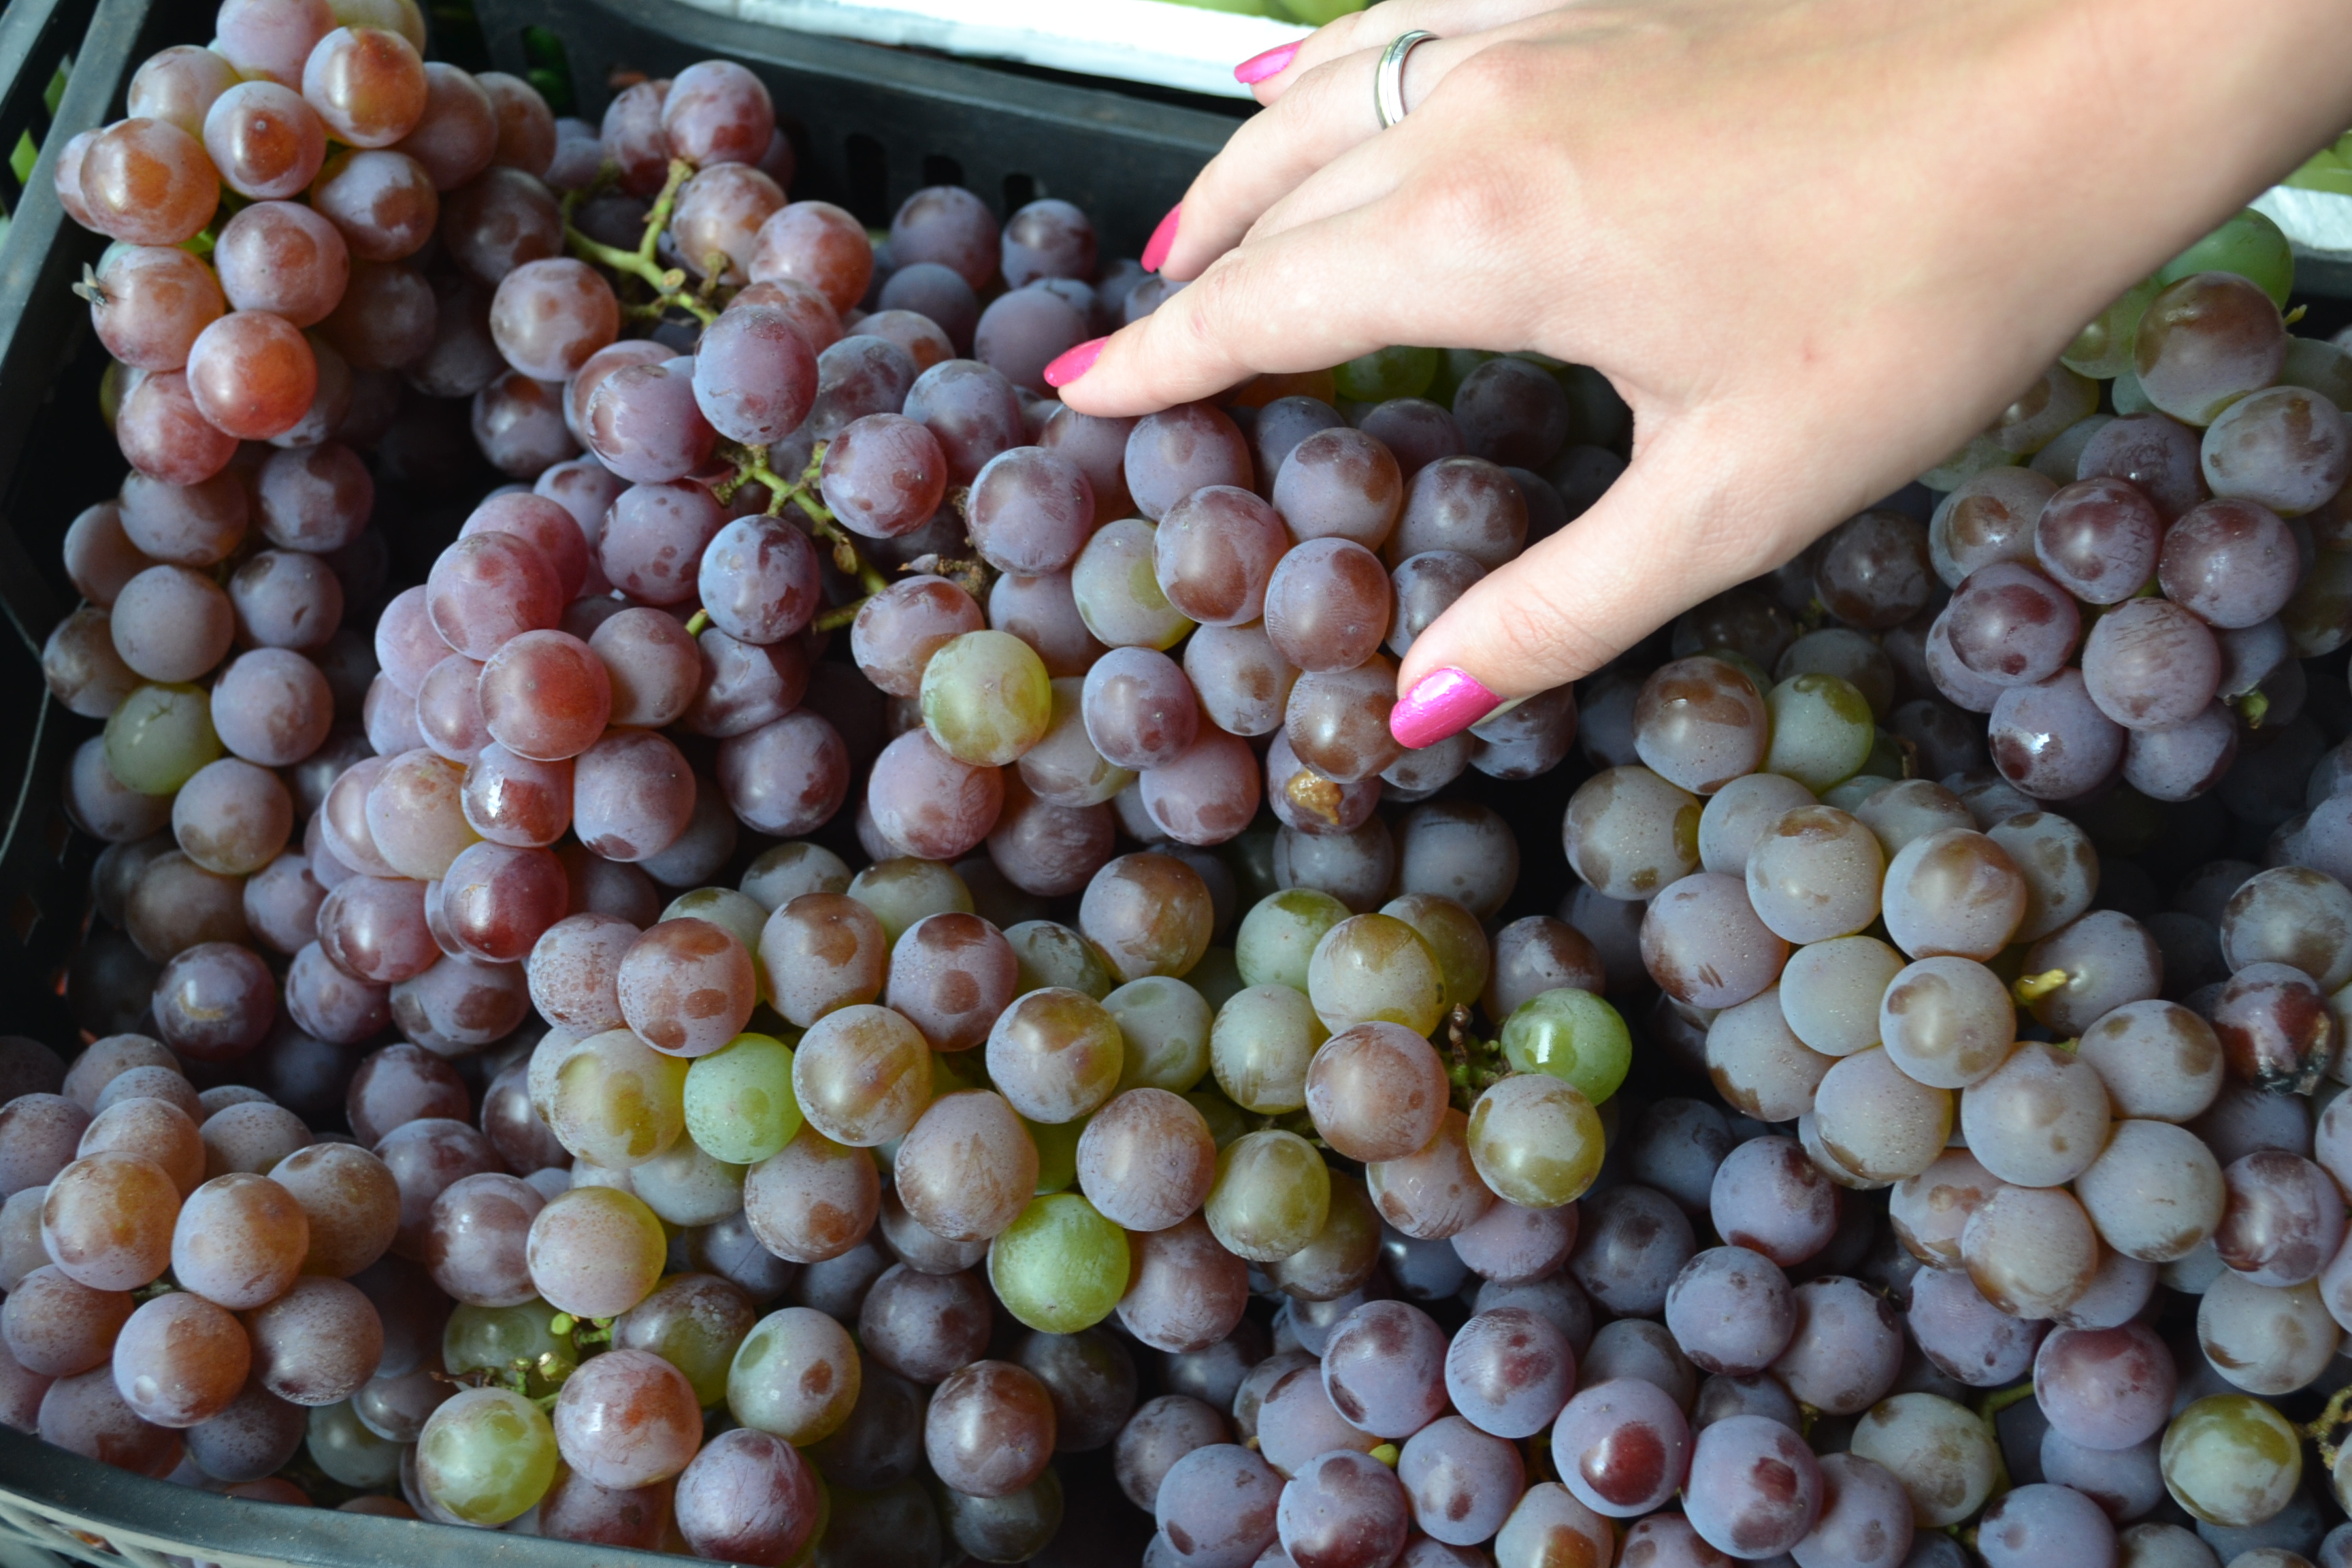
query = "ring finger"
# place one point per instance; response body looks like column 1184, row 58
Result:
column 1373, row 26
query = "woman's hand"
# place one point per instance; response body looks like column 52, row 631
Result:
column 1816, row 244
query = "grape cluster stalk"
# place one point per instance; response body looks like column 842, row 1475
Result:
column 723, row 929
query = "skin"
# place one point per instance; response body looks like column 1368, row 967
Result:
column 1816, row 244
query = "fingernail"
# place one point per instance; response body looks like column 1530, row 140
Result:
column 1069, row 367
column 1163, row 239
column 1443, row 702
column 1273, row 63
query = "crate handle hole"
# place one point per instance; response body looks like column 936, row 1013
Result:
column 1020, row 190
column 868, row 165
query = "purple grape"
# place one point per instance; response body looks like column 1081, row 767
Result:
column 1631, row 1443
column 1730, row 1310
column 1755, row 1489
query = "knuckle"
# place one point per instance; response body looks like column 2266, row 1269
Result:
column 1507, row 70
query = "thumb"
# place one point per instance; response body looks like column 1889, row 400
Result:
column 1663, row 538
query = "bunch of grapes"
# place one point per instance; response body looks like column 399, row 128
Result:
column 521, row 1091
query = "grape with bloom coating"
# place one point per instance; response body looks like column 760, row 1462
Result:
column 1061, row 1267
column 596, row 1252
column 485, row 1456
column 2231, row 1460
column 1535, row 1139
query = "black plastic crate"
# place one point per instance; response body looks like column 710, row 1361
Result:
column 870, row 125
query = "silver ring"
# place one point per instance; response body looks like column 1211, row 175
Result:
column 1387, row 82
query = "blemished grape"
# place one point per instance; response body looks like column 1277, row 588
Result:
column 1755, row 1489
column 2205, row 341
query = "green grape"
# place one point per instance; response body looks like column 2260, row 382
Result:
column 1062, row 1267
column 737, row 914
column 1535, row 1140
column 1058, row 1151
column 1314, row 13
column 903, row 890
column 2249, row 245
column 487, row 1455
column 617, row 1101
column 1375, row 967
column 1821, row 730
column 1941, row 1451
column 1217, row 977
column 1277, row 937
column 2128, row 395
column 1227, row 1121
column 685, row 1187
column 694, row 1321
column 159, row 736
column 986, row 698
column 1983, row 451
column 1574, row 1036
column 493, row 1339
column 1849, row 795
column 1165, row 1024
column 341, row 1444
column 1261, row 1046
column 1271, row 1196
column 2322, row 171
column 1885, row 760
column 1455, row 939
column 1117, row 587
column 738, row 1100
column 1453, row 364
column 1050, row 955
column 2231, row 1460
column 2103, row 350
column 1387, row 373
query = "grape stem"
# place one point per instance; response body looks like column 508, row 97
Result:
column 1988, row 1409
column 2327, row 1428
column 2033, row 988
column 751, row 467
column 1476, row 1064
column 670, row 283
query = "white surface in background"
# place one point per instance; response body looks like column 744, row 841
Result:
column 2317, row 222
column 1133, row 40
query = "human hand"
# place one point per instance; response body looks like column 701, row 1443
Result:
column 1816, row 244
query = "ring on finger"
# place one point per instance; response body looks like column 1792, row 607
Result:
column 1388, row 80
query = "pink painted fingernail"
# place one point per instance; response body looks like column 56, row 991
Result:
column 1163, row 239
column 1261, row 67
column 1069, row 367
column 1443, row 702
